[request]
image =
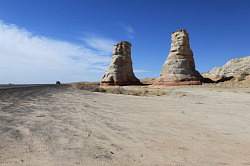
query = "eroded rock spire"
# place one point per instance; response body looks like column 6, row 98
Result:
column 179, row 68
column 120, row 71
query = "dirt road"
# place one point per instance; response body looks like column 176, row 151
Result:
column 50, row 126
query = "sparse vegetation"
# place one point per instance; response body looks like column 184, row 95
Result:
column 128, row 91
column 90, row 86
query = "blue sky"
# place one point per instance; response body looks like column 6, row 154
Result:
column 42, row 41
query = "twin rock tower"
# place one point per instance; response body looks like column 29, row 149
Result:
column 179, row 68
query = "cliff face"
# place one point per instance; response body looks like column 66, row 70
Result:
column 238, row 68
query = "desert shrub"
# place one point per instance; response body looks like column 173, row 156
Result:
column 99, row 89
column 136, row 91
column 115, row 90
column 90, row 86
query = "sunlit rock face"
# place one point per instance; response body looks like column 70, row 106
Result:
column 179, row 68
column 120, row 71
column 238, row 68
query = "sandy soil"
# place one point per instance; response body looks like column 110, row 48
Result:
column 52, row 126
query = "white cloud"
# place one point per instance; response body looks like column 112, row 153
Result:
column 29, row 58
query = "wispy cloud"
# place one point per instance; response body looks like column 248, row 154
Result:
column 29, row 58
column 100, row 44
column 141, row 71
column 130, row 31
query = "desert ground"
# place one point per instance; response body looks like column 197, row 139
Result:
column 64, row 126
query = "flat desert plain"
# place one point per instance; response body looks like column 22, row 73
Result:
column 189, row 126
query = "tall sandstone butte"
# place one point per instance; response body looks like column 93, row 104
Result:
column 179, row 68
column 120, row 71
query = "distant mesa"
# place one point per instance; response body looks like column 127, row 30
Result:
column 179, row 68
column 120, row 71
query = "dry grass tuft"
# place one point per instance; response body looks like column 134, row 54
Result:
column 126, row 90
column 90, row 86
column 131, row 91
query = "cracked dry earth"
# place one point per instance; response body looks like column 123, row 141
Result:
column 51, row 126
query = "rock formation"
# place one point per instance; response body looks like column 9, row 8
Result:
column 238, row 68
column 179, row 68
column 120, row 71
